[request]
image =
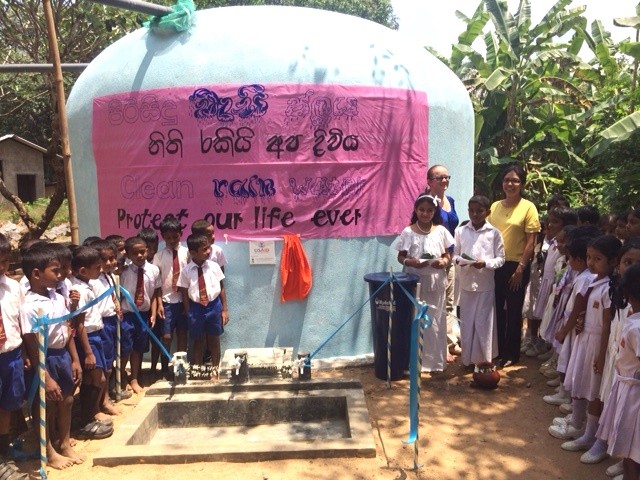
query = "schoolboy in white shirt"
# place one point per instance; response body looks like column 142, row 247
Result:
column 142, row 280
column 111, row 315
column 171, row 260
column 204, row 299
column 483, row 249
column 87, row 266
column 203, row 227
column 41, row 266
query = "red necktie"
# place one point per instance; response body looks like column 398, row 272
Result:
column 139, row 298
column 176, row 271
column 3, row 334
column 202, row 288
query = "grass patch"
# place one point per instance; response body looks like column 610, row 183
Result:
column 8, row 212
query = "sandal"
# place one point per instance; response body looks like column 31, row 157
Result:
column 10, row 471
column 105, row 421
column 95, row 431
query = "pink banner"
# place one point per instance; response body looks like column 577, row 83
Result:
column 260, row 161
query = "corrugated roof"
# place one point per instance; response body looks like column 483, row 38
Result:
column 29, row 144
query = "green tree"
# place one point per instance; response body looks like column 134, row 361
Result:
column 84, row 29
column 536, row 101
column 379, row 11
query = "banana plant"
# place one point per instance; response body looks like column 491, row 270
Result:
column 521, row 87
column 539, row 103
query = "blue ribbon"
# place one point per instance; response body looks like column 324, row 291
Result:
column 308, row 360
column 413, row 300
column 127, row 296
column 44, row 321
column 422, row 320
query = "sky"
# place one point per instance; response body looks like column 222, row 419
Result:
column 434, row 23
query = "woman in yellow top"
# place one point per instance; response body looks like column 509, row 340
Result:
column 517, row 219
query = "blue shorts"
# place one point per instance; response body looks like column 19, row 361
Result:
column 11, row 380
column 205, row 319
column 109, row 339
column 95, row 342
column 139, row 335
column 158, row 328
column 126, row 332
column 58, row 363
column 174, row 319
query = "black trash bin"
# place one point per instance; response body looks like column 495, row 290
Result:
column 402, row 316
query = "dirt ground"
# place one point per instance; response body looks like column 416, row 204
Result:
column 465, row 433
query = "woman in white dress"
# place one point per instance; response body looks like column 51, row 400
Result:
column 423, row 248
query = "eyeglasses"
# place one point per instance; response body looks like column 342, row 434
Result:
column 441, row 177
column 512, row 181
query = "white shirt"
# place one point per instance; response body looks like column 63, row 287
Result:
column 129, row 280
column 92, row 316
column 53, row 306
column 212, row 277
column 483, row 244
column 217, row 255
column 62, row 287
column 553, row 262
column 581, row 281
column 24, row 284
column 164, row 261
column 435, row 243
column 627, row 363
column 106, row 306
column 597, row 302
column 11, row 297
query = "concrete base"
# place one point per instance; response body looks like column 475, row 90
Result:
column 262, row 420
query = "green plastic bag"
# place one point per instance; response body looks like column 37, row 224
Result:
column 178, row 21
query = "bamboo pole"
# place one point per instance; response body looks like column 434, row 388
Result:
column 62, row 120
column 116, row 279
column 389, row 327
column 42, row 426
column 416, row 445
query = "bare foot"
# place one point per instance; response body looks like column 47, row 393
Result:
column 455, row 350
column 110, row 409
column 135, row 386
column 72, row 443
column 59, row 462
column 71, row 454
column 100, row 416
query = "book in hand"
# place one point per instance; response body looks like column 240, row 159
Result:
column 426, row 258
column 466, row 260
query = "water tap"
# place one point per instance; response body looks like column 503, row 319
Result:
column 180, row 365
column 240, row 367
column 238, row 363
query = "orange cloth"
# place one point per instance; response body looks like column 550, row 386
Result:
column 294, row 270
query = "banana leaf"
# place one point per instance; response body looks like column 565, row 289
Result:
column 618, row 132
